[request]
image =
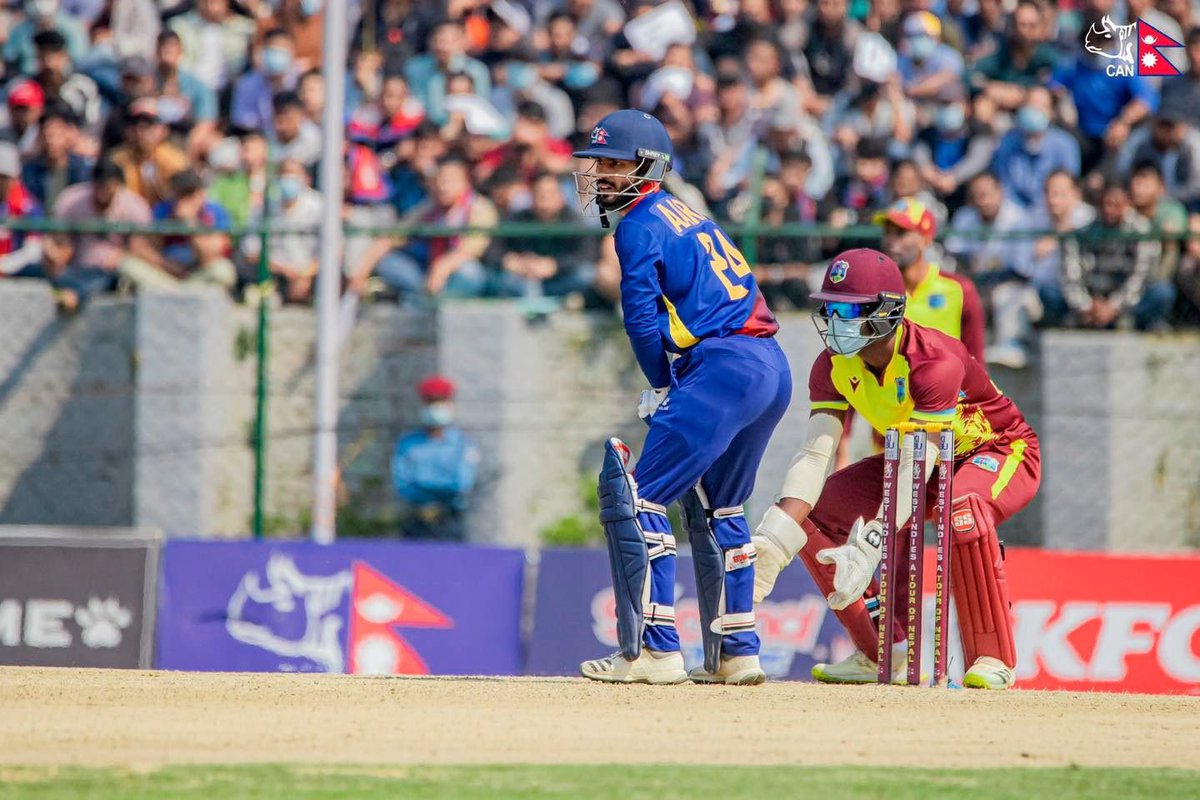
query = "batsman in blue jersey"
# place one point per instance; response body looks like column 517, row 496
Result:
column 686, row 290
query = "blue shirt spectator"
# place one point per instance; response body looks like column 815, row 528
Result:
column 254, row 92
column 55, row 167
column 1031, row 151
column 178, row 249
column 954, row 149
column 428, row 74
column 1099, row 97
column 434, row 468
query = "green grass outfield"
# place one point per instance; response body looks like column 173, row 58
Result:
column 268, row 782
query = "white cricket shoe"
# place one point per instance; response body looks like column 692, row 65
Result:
column 734, row 671
column 649, row 667
column 859, row 668
column 989, row 673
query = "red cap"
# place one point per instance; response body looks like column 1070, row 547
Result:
column 860, row 276
column 27, row 94
column 435, row 388
column 909, row 214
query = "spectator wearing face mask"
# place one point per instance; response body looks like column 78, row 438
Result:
column 929, row 69
column 303, row 20
column 954, row 149
column 295, row 214
column 252, row 96
column 42, row 16
column 1031, row 151
column 434, row 468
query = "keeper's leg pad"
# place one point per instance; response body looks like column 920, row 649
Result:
column 979, row 586
column 859, row 618
column 631, row 551
column 723, row 557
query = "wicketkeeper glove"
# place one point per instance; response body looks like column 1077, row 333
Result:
column 854, row 562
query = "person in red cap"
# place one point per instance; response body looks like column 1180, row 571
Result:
column 434, row 468
column 944, row 301
column 26, row 101
column 890, row 370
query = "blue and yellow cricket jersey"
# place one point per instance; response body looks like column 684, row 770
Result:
column 682, row 280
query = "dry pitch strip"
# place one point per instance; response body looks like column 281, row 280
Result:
column 148, row 719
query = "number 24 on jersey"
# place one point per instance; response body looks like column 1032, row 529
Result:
column 724, row 258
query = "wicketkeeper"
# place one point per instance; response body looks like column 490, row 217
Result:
column 891, row 370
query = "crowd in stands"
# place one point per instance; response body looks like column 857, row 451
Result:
column 992, row 113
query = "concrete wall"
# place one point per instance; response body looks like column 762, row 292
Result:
column 139, row 412
column 1121, row 436
column 66, row 411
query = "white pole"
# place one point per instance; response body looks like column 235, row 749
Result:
column 324, row 512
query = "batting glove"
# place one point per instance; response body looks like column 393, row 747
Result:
column 777, row 540
column 650, row 401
